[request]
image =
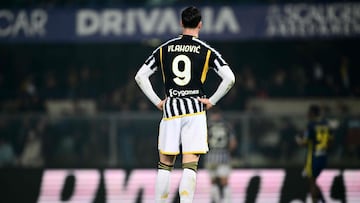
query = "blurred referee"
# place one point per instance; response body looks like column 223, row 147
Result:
column 184, row 62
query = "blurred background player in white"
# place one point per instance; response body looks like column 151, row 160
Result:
column 184, row 62
column 222, row 142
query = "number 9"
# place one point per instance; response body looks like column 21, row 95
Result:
column 182, row 77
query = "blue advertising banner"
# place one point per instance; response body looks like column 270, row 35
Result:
column 125, row 24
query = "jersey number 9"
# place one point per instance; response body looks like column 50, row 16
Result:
column 322, row 137
column 183, row 77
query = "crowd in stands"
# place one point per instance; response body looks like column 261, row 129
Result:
column 29, row 90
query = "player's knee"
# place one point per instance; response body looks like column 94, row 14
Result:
column 165, row 166
column 190, row 165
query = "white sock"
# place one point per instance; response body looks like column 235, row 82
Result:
column 215, row 193
column 162, row 186
column 187, row 186
column 226, row 194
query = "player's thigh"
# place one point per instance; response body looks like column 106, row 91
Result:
column 314, row 167
column 318, row 166
column 194, row 134
column 169, row 136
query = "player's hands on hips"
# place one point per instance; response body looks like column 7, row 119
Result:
column 207, row 103
column 160, row 105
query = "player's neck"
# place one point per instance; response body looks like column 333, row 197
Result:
column 191, row 31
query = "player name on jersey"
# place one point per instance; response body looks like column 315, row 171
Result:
column 184, row 48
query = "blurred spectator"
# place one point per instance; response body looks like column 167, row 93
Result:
column 345, row 76
column 249, row 82
column 66, row 153
column 231, row 101
column 25, row 125
column 287, row 133
column 29, row 98
column 5, row 92
column 7, row 155
column 87, row 86
column 71, row 86
column 245, row 88
column 51, row 89
column 116, row 100
column 32, row 154
column 144, row 105
column 298, row 78
column 279, row 84
column 321, row 84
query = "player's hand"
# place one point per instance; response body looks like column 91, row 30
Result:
column 298, row 140
column 160, row 105
column 207, row 103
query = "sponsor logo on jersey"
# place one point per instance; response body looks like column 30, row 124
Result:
column 182, row 93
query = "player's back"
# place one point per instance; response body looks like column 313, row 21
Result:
column 319, row 136
column 184, row 63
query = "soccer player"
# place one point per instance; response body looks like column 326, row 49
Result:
column 317, row 138
column 222, row 142
column 184, row 62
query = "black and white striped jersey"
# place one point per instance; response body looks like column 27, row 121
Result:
column 178, row 106
column 219, row 135
column 184, row 63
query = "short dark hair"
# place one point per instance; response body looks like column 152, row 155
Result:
column 190, row 17
column 315, row 110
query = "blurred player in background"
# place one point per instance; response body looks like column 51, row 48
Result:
column 316, row 138
column 222, row 142
column 183, row 62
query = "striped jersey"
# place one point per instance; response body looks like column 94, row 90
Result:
column 184, row 63
column 219, row 135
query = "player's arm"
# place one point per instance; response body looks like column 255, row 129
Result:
column 142, row 78
column 228, row 80
column 302, row 140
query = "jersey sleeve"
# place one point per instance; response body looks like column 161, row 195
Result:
column 142, row 78
column 219, row 65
